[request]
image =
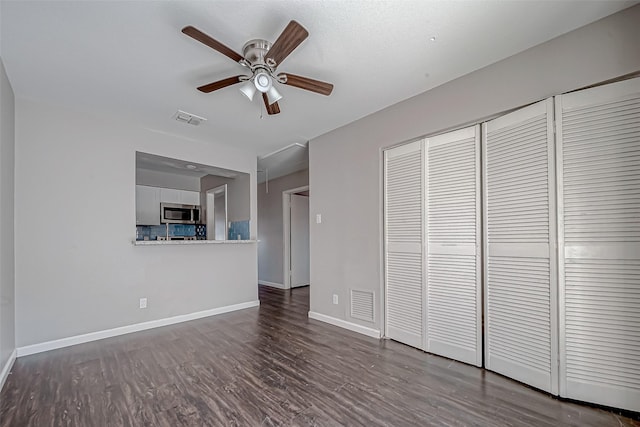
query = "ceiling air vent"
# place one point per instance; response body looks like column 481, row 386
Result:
column 191, row 119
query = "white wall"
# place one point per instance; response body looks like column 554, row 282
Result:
column 270, row 247
column 7, row 255
column 345, row 165
column 76, row 268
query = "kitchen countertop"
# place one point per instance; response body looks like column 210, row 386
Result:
column 190, row 242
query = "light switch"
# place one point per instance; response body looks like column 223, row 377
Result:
column 318, row 218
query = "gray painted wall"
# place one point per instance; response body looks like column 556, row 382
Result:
column 345, row 164
column 167, row 180
column 77, row 270
column 7, row 254
column 238, row 195
column 270, row 247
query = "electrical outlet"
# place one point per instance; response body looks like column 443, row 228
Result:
column 143, row 303
column 335, row 298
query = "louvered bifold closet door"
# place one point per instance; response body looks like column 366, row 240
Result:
column 599, row 227
column 520, row 235
column 403, row 206
column 453, row 237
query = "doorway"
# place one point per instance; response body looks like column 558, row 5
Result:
column 295, row 208
column 216, row 216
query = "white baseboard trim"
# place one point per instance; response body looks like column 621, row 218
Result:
column 108, row 333
column 370, row 332
column 7, row 368
column 271, row 284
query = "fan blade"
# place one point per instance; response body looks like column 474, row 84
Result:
column 220, row 84
column 291, row 37
column 306, row 83
column 271, row 109
column 212, row 43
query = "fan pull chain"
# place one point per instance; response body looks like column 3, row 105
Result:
column 260, row 105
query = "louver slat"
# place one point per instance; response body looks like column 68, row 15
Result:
column 403, row 242
column 599, row 146
column 514, row 307
column 520, row 317
column 453, row 303
column 362, row 305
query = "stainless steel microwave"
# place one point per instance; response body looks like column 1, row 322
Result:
column 173, row 213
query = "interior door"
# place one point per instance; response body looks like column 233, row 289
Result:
column 599, row 227
column 520, row 253
column 403, row 210
column 299, row 240
column 454, row 298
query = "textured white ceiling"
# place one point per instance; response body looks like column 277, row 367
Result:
column 129, row 58
column 286, row 160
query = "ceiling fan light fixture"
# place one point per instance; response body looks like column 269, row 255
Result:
column 262, row 81
column 273, row 95
column 248, row 89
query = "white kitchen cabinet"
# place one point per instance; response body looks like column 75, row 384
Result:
column 147, row 205
column 170, row 195
column 190, row 198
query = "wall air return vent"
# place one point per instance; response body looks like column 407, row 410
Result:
column 191, row 119
column 362, row 305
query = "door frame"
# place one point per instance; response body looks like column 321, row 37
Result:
column 286, row 233
column 211, row 195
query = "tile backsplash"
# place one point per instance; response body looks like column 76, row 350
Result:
column 151, row 232
column 239, row 230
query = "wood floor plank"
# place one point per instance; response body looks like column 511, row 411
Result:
column 270, row 366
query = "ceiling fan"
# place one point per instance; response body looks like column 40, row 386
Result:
column 262, row 58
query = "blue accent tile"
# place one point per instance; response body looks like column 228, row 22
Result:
column 239, row 230
column 151, row 232
column 142, row 231
column 158, row 230
column 182, row 230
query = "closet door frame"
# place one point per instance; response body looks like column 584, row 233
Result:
column 562, row 357
column 547, row 105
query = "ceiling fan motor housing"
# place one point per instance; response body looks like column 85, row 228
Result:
column 255, row 50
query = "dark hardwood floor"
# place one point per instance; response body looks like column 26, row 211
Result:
column 265, row 367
